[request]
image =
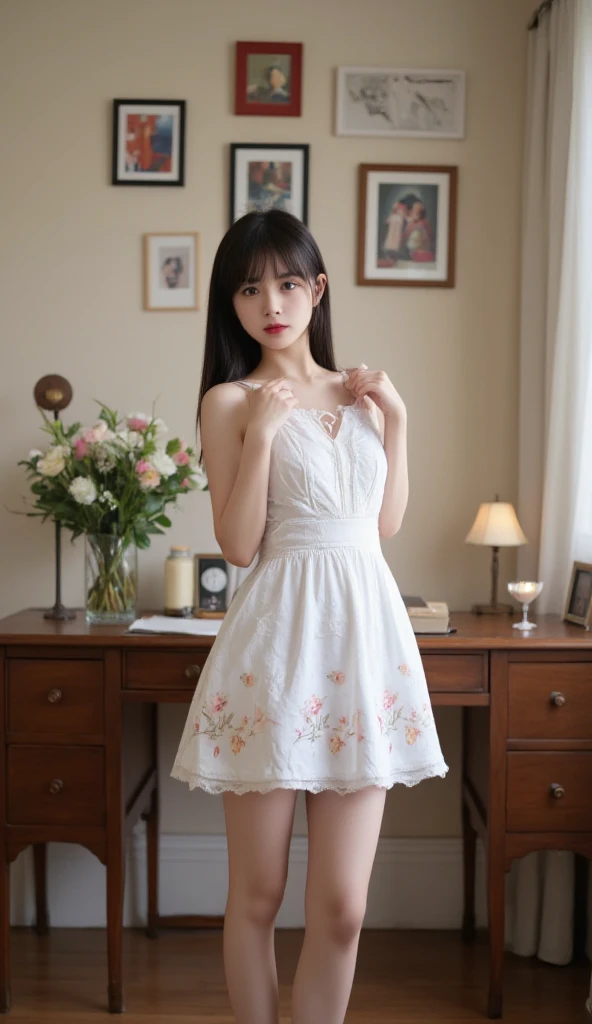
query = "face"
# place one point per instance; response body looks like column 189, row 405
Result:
column 276, row 311
column 276, row 78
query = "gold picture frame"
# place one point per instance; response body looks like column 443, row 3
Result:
column 578, row 604
column 211, row 586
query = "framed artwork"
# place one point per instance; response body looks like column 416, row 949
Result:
column 403, row 102
column 211, row 586
column 148, row 142
column 266, row 177
column 578, row 606
column 171, row 271
column 268, row 79
column 407, row 225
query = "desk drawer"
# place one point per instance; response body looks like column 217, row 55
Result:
column 454, row 673
column 53, row 698
column 55, row 785
column 177, row 670
column 549, row 792
column 550, row 701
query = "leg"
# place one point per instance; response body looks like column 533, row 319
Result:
column 4, row 932
column 258, row 829
column 342, row 838
column 469, row 858
column 152, row 864
column 40, row 862
column 115, row 889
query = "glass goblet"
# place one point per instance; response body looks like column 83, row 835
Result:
column 526, row 592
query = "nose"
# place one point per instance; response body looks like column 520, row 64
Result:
column 273, row 305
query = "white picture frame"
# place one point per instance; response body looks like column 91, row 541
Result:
column 171, row 271
column 424, row 103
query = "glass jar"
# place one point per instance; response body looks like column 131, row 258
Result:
column 111, row 579
column 179, row 585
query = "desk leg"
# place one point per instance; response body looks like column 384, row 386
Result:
column 4, row 932
column 152, row 864
column 115, row 859
column 40, row 863
column 496, row 828
column 469, row 862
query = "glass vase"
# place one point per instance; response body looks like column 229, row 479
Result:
column 111, row 579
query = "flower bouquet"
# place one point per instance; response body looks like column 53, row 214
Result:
column 112, row 483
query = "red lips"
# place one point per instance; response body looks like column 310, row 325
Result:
column 275, row 328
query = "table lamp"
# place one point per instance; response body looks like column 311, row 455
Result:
column 497, row 526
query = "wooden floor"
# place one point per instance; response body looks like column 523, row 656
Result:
column 401, row 978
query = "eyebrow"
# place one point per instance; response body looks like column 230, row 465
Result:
column 279, row 277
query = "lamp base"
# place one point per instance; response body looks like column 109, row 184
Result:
column 59, row 613
column 493, row 609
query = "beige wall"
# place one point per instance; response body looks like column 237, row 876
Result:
column 71, row 274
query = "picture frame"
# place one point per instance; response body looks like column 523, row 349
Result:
column 211, row 586
column 269, row 176
column 578, row 604
column 171, row 271
column 407, row 225
column 268, row 80
column 426, row 103
column 148, row 142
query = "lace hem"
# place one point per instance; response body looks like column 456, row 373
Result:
column 217, row 786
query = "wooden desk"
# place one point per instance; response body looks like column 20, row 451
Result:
column 80, row 759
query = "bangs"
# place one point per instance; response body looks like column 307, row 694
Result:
column 263, row 247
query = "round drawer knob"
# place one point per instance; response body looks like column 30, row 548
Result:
column 193, row 671
column 558, row 699
column 54, row 696
column 56, row 786
column 557, row 791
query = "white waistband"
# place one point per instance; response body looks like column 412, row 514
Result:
column 309, row 534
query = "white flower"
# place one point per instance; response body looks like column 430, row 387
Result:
column 34, row 454
column 83, row 490
column 106, row 496
column 53, row 462
column 105, row 458
column 160, row 428
column 163, row 464
column 200, row 477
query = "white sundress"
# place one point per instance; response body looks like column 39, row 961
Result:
column 314, row 680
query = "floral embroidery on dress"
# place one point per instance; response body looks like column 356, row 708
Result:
column 389, row 715
column 315, row 724
column 248, row 678
column 336, row 677
column 344, row 729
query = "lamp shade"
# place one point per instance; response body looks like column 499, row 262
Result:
column 496, row 525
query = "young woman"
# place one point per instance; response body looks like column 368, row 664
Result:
column 314, row 681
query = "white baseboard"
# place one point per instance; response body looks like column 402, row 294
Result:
column 416, row 883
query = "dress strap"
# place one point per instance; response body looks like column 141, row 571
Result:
column 244, row 384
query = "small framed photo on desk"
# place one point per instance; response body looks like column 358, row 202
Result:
column 578, row 606
column 211, row 586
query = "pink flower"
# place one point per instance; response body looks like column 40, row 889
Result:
column 248, row 679
column 389, row 700
column 143, row 466
column 314, row 705
column 97, row 433
column 390, row 748
column 337, row 677
column 149, row 480
column 80, row 448
column 216, row 751
column 196, row 725
column 137, row 423
column 335, row 744
column 218, row 702
column 186, row 482
column 181, row 458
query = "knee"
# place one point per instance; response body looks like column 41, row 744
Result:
column 341, row 917
column 260, row 903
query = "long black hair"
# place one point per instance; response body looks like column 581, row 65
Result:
column 254, row 240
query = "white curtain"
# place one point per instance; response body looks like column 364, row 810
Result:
column 555, row 443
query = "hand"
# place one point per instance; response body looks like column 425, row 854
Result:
column 377, row 386
column 270, row 405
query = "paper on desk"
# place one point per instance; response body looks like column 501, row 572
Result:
column 171, row 624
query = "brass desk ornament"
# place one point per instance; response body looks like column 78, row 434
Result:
column 54, row 393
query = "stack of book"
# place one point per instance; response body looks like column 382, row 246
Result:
column 427, row 616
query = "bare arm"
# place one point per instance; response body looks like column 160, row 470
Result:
column 237, row 449
column 393, row 431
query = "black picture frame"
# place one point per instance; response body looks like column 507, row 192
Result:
column 238, row 199
column 153, row 177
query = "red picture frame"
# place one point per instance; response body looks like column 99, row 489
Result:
column 280, row 79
